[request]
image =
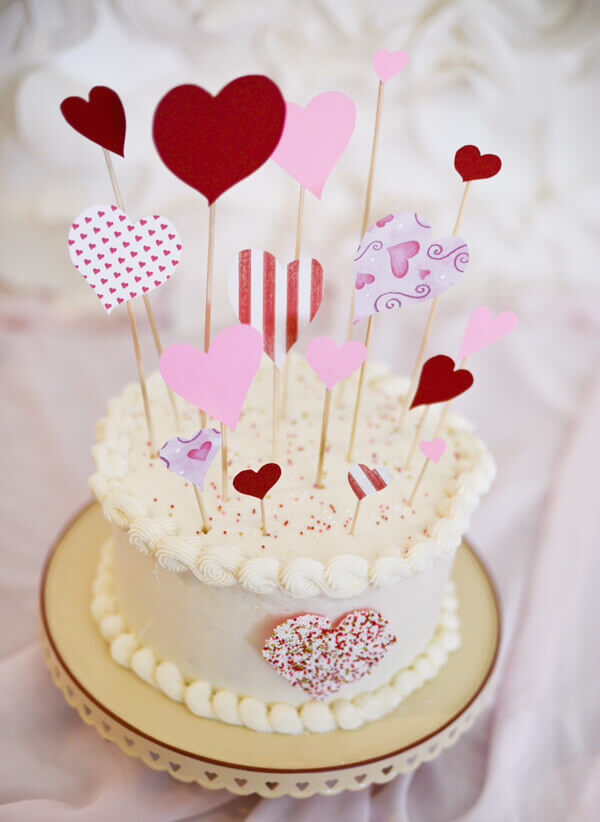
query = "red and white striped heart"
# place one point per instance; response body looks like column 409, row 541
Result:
column 310, row 652
column 364, row 480
column 278, row 304
column 121, row 259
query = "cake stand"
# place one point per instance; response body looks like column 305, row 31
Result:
column 166, row 736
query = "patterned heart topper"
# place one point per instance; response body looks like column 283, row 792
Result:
column 192, row 458
column 101, row 119
column 276, row 304
column 121, row 259
column 397, row 261
column 364, row 480
column 311, row 653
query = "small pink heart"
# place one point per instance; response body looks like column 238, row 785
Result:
column 389, row 63
column 331, row 363
column 433, row 449
column 483, row 328
column 363, row 279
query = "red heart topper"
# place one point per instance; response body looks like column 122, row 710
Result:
column 211, row 143
column 471, row 164
column 101, row 120
column 439, row 381
column 257, row 483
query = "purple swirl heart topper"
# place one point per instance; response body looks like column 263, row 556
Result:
column 397, row 262
column 192, row 458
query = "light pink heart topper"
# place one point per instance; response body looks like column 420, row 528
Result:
column 433, row 449
column 192, row 458
column 121, row 259
column 398, row 262
column 311, row 653
column 483, row 329
column 218, row 381
column 331, row 363
column 389, row 63
column 315, row 137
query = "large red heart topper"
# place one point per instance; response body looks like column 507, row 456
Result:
column 101, row 119
column 211, row 143
column 257, row 483
column 310, row 652
column 439, row 381
column 471, row 164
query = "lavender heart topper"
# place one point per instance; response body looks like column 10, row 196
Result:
column 192, row 458
column 398, row 262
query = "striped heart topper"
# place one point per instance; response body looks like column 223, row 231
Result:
column 277, row 304
column 364, row 480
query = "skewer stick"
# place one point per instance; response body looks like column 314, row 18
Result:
column 323, row 445
column 263, row 519
column 208, row 293
column 355, row 517
column 286, row 365
column 428, row 326
column 142, row 379
column 416, row 437
column 146, row 299
column 418, row 482
column 359, row 391
column 275, row 411
column 205, row 523
column 224, row 461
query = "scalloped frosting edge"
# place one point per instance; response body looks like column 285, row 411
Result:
column 280, row 717
column 345, row 575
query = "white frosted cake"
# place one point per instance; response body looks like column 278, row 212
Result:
column 193, row 614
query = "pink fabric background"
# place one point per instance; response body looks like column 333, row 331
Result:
column 533, row 756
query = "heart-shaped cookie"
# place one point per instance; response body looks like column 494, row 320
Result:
column 333, row 363
column 121, row 259
column 471, row 164
column 398, row 262
column 439, row 382
column 278, row 304
column 192, row 458
column 257, row 483
column 100, row 119
column 216, row 381
column 311, row 653
column 211, row 143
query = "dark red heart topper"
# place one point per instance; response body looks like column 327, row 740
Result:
column 471, row 164
column 257, row 483
column 439, row 381
column 211, row 143
column 101, row 119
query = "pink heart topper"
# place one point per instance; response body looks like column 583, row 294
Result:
column 331, row 363
column 483, row 329
column 192, row 458
column 389, row 63
column 121, row 259
column 315, row 137
column 311, row 653
column 217, row 381
column 398, row 261
column 433, row 449
column 277, row 304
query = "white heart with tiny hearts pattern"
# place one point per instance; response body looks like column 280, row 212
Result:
column 121, row 259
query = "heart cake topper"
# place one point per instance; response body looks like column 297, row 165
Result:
column 398, row 262
column 433, row 449
column 483, row 329
column 257, row 483
column 333, row 364
column 315, row 137
column 121, row 259
column 277, row 304
column 101, row 119
column 211, row 143
column 365, row 481
column 313, row 654
column 389, row 63
column 217, row 381
column 192, row 458
column 439, row 382
column 471, row 164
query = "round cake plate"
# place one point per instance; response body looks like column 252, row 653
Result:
column 166, row 736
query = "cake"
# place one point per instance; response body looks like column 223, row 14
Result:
column 308, row 628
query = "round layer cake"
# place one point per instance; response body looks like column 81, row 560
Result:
column 194, row 614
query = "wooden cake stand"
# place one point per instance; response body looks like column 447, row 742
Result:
column 166, row 736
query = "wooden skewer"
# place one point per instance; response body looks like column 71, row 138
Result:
column 224, row 460
column 146, row 299
column 263, row 519
column 418, row 482
column 361, row 378
column 428, row 326
column 275, row 412
column 416, row 437
column 286, row 364
column 142, row 379
column 355, row 517
column 205, row 522
column 323, row 445
column 209, row 288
